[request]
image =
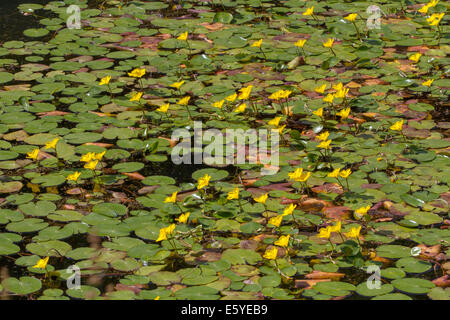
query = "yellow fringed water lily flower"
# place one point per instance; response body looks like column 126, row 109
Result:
column 183, row 36
column 104, row 80
column 172, row 198
column 163, row 108
column 397, row 126
column 324, row 144
column 262, row 199
column 274, row 122
column 164, row 232
column 42, row 263
column 231, row 97
column 329, row 98
column 203, row 181
column 415, row 57
column 33, row 154
column 334, row 173
column 344, row 113
column 353, row 233
column 87, row 157
column 136, row 96
column 177, row 85
column 257, row 44
column 74, row 176
column 99, row 156
column 318, row 112
column 91, row 165
column 183, row 218
column 184, row 101
column 345, row 173
column 289, row 209
column 283, row 241
column 320, row 89
column 363, row 210
column 425, row 8
column 428, row 83
column 245, row 92
column 324, row 233
column 351, row 17
column 276, row 221
column 271, row 253
column 309, row 11
column 241, row 108
column 218, row 104
column 295, row 174
column 435, row 18
column 300, row 43
column 323, row 136
column 280, row 129
column 51, row 144
column 328, row 43
column 341, row 93
column 137, row 73
column 234, row 194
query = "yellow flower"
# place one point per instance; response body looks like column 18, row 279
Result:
column 433, row 3
column 320, row 89
column 157, row 298
column 271, row 253
column 99, row 156
column 415, row 57
column 91, row 165
column 203, row 181
column 275, row 121
column 231, row 97
column 105, row 80
column 428, row 83
column 74, row 176
column 183, row 36
column 336, row 228
column 324, row 144
column 345, row 173
column 241, row 108
column 318, row 112
column 88, row 157
column 184, row 101
column 33, row 154
column 283, row 241
column 245, row 92
column 329, row 98
column 257, row 44
column 354, row 232
column 280, row 129
column 218, row 104
column 363, row 210
column 183, row 218
column 137, row 73
column 162, row 235
column 163, row 108
column 295, row 174
column 276, row 95
column 289, row 209
column 398, row 126
column 136, row 96
column 276, row 221
column 334, row 173
column 172, row 198
column 304, row 177
column 262, row 199
column 425, row 8
column 338, row 86
column 51, row 144
column 234, row 194
column 170, row 229
column 341, row 93
column 344, row 113
column 328, row 43
column 323, row 136
column 324, row 233
column 435, row 18
column 300, row 43
column 177, row 85
column 351, row 17
column 309, row 12
column 42, row 263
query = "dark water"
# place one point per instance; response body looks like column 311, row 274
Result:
column 13, row 23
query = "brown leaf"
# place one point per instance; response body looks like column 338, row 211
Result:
column 442, row 282
column 325, row 275
column 308, row 284
column 134, row 175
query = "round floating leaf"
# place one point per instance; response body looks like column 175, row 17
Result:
column 364, row 290
column 35, row 33
column 5, row 77
column 24, row 285
column 413, row 285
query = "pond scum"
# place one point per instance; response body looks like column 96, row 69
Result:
column 92, row 206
